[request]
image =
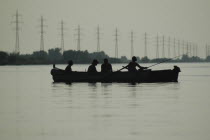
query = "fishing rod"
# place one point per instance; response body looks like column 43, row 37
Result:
column 165, row 61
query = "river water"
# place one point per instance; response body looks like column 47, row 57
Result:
column 32, row 107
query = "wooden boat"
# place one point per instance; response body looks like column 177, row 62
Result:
column 142, row 76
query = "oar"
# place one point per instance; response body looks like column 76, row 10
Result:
column 123, row 67
column 165, row 61
column 110, row 74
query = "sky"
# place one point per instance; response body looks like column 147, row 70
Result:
column 187, row 20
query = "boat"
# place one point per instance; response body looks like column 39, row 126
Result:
column 141, row 76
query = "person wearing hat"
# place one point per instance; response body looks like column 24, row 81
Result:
column 68, row 68
column 92, row 67
column 106, row 66
column 133, row 64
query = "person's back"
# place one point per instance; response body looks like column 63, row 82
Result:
column 132, row 66
column 68, row 68
column 106, row 66
column 92, row 67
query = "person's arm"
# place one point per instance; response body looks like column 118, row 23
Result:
column 140, row 66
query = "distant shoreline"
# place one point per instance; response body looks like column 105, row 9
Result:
column 54, row 56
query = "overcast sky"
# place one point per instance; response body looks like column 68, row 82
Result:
column 187, row 20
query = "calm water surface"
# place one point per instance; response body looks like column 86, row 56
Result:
column 32, row 107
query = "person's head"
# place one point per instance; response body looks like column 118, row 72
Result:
column 134, row 59
column 95, row 62
column 105, row 61
column 70, row 62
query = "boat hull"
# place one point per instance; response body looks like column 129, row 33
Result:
column 145, row 76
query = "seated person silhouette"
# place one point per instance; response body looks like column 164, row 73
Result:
column 68, row 68
column 133, row 64
column 92, row 67
column 106, row 66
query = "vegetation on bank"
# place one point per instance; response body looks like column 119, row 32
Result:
column 79, row 57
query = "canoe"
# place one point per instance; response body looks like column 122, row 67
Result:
column 142, row 76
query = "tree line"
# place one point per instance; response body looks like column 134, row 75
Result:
column 78, row 57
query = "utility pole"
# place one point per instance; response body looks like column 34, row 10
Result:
column 157, row 49
column 17, row 30
column 116, row 43
column 42, row 34
column 78, row 37
column 98, row 39
column 169, row 51
column 62, row 36
column 145, row 44
column 132, row 49
column 163, row 51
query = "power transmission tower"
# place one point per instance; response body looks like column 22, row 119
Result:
column 187, row 48
column 98, row 39
column 116, row 43
column 78, row 38
column 42, row 25
column 190, row 49
column 183, row 47
column 62, row 36
column 174, row 47
column 132, row 49
column 163, row 51
column 157, row 49
column 208, row 51
column 196, row 50
column 145, row 44
column 17, row 30
column 178, row 47
column 169, row 51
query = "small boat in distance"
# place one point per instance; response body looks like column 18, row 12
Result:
column 142, row 76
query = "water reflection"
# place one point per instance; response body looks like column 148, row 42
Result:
column 40, row 109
